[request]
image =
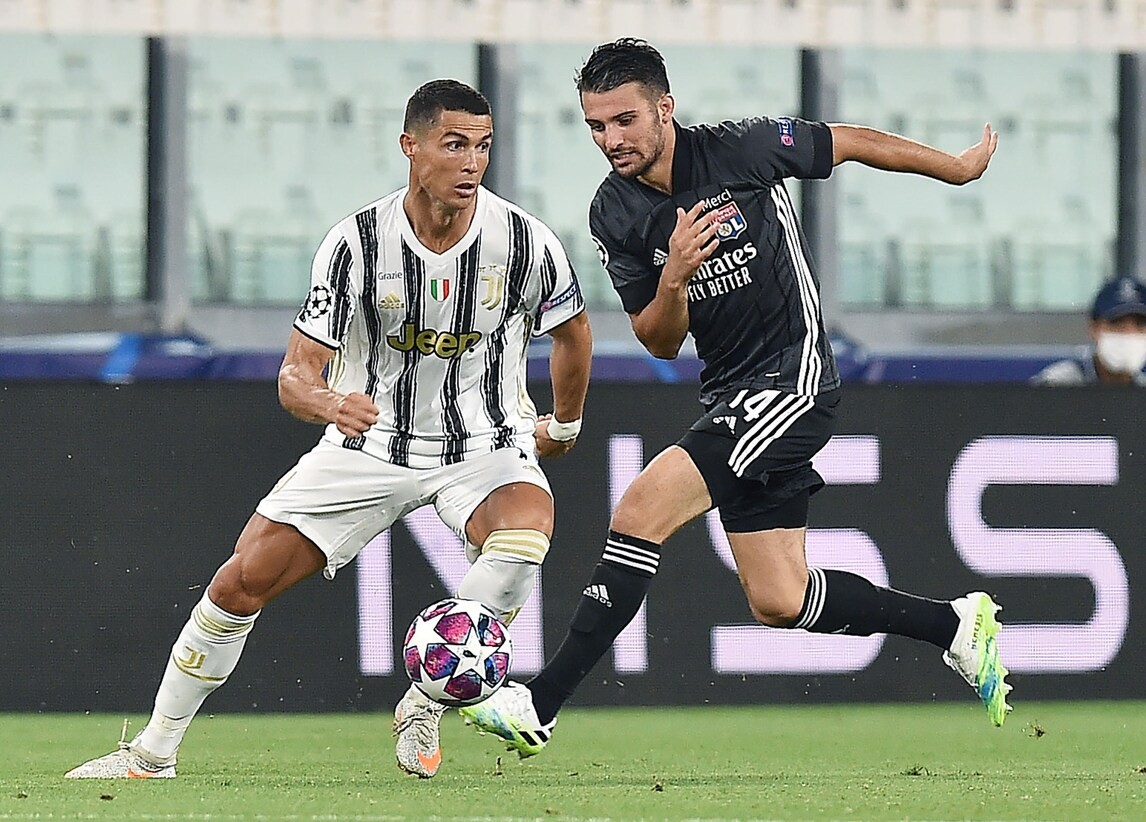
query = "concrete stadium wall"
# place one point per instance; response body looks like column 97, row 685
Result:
column 120, row 501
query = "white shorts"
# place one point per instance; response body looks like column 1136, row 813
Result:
column 341, row 499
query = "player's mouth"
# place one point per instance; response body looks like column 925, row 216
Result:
column 465, row 190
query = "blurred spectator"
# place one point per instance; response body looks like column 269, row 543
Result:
column 1118, row 333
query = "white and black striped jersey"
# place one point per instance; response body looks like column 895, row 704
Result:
column 754, row 306
column 438, row 340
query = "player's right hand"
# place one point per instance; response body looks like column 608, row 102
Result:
column 692, row 241
column 354, row 414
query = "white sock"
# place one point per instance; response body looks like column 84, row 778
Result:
column 503, row 576
column 202, row 658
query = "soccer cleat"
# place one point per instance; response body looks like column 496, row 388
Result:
column 974, row 653
column 510, row 714
column 126, row 762
column 416, row 720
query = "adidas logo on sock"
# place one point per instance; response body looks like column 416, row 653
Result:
column 599, row 593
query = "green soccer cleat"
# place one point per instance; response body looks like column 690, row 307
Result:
column 510, row 714
column 974, row 653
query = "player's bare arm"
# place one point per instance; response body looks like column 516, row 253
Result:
column 569, row 364
column 891, row 152
column 662, row 324
column 303, row 390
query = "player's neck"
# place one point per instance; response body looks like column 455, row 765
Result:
column 659, row 175
column 436, row 226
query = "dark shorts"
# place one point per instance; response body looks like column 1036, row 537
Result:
column 754, row 450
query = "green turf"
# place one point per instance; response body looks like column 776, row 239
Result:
column 1052, row 761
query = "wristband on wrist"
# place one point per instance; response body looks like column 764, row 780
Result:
column 563, row 431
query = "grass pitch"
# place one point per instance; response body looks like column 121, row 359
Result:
column 1052, row 761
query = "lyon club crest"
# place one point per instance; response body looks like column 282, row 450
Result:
column 730, row 223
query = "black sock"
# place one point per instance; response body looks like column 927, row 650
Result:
column 608, row 603
column 837, row 602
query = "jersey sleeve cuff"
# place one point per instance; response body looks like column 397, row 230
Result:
column 821, row 151
column 333, row 346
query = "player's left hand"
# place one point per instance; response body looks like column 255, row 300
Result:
column 546, row 445
column 974, row 160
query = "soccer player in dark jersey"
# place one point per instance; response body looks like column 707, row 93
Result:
column 699, row 236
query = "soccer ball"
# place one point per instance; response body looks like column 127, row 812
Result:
column 457, row 652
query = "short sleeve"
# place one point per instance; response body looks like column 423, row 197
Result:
column 635, row 283
column 788, row 147
column 329, row 305
column 560, row 296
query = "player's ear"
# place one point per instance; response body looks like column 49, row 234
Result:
column 665, row 107
column 407, row 142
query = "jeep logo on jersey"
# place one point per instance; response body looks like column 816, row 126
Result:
column 730, row 223
column 439, row 288
column 428, row 341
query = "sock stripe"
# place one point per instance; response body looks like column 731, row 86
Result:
column 223, row 631
column 634, row 551
column 813, row 599
column 630, row 556
column 524, row 543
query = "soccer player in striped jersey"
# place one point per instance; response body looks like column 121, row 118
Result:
column 699, row 235
column 411, row 348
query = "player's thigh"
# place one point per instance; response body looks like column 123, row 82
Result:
column 503, row 489
column 773, row 572
column 340, row 499
column 666, row 495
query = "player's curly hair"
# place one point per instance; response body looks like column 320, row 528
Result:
column 436, row 96
column 628, row 60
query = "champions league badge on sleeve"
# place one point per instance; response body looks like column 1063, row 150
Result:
column 317, row 303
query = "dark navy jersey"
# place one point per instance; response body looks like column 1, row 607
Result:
column 754, row 305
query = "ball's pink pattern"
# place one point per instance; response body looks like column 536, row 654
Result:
column 413, row 664
column 464, row 687
column 440, row 661
column 496, row 667
column 455, row 627
column 490, row 632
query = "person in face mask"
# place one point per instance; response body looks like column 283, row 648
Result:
column 1118, row 330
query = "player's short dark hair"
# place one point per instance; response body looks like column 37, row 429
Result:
column 436, row 96
column 628, row 60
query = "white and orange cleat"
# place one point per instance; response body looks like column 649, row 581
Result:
column 416, row 721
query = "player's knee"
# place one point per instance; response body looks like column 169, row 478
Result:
column 237, row 592
column 637, row 520
column 776, row 609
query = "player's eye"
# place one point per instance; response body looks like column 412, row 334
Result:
column 625, row 121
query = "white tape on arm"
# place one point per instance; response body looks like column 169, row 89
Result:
column 563, row 431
